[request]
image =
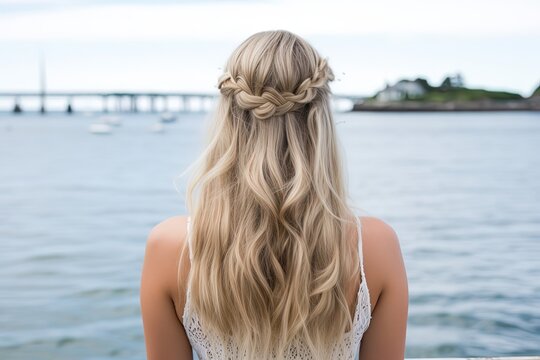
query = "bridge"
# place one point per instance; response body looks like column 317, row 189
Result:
column 125, row 101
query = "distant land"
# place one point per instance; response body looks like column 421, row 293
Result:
column 450, row 95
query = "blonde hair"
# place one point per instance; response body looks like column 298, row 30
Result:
column 270, row 256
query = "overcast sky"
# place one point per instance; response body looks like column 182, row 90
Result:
column 182, row 45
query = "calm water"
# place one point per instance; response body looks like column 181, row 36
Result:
column 461, row 190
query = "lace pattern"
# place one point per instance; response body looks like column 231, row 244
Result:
column 208, row 346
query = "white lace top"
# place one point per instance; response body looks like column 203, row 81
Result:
column 206, row 346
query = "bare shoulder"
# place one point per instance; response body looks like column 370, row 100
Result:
column 378, row 235
column 169, row 232
column 388, row 290
column 382, row 254
column 164, row 335
column 164, row 248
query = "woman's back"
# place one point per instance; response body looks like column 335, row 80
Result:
column 166, row 270
column 209, row 346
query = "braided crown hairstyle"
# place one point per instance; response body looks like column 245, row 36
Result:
column 267, row 96
column 271, row 222
column 271, row 101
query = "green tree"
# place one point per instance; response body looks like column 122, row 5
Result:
column 447, row 83
column 537, row 91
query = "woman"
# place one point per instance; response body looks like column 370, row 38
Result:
column 270, row 262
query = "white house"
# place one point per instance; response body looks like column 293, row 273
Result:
column 401, row 90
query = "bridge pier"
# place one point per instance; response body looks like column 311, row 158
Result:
column 165, row 103
column 42, row 106
column 118, row 104
column 181, row 106
column 69, row 108
column 17, row 109
column 152, row 103
column 133, row 103
column 105, row 103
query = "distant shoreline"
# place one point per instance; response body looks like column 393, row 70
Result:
column 476, row 106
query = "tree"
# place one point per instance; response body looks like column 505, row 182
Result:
column 453, row 81
column 447, row 83
column 537, row 91
column 458, row 80
column 423, row 83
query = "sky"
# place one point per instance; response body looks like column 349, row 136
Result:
column 183, row 45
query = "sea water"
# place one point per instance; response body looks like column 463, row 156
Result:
column 461, row 190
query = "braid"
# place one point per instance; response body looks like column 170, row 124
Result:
column 271, row 102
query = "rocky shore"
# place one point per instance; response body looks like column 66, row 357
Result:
column 531, row 104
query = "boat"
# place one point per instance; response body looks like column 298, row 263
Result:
column 167, row 117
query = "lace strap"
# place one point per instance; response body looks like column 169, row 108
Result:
column 188, row 235
column 186, row 314
column 360, row 251
column 363, row 274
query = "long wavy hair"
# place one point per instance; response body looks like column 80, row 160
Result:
column 271, row 259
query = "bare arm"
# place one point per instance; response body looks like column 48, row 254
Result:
column 164, row 334
column 385, row 337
